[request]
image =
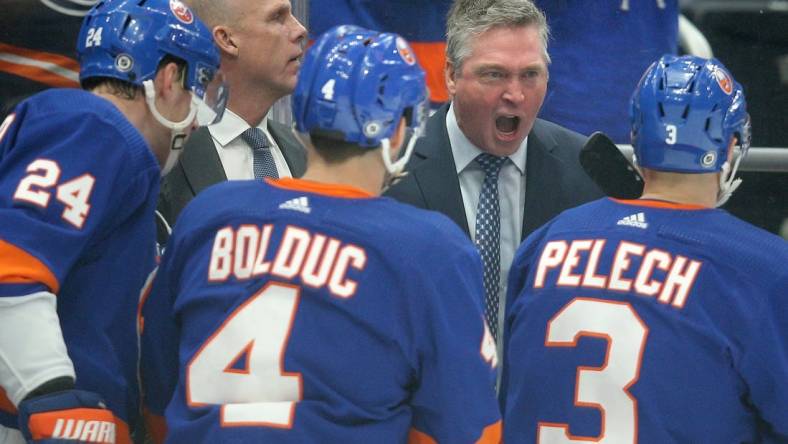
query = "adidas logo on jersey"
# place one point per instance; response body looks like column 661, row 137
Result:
column 298, row 204
column 636, row 220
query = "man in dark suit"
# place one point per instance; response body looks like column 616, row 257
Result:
column 486, row 161
column 261, row 45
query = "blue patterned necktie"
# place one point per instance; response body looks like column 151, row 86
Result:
column 488, row 236
column 263, row 160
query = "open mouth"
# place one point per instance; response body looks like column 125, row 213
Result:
column 507, row 125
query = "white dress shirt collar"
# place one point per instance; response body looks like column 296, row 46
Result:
column 234, row 153
column 230, row 127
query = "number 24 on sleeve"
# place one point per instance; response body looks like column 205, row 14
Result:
column 42, row 176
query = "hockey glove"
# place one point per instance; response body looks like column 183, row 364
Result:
column 67, row 417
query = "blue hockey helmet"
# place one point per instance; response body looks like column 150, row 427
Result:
column 684, row 114
column 128, row 39
column 355, row 85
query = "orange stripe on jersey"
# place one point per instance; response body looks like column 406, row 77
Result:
column 5, row 404
column 146, row 289
column 491, row 434
column 660, row 204
column 157, row 426
column 20, row 267
column 432, row 57
column 418, row 437
column 328, row 189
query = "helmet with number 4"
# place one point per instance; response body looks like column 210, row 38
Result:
column 128, row 39
column 355, row 85
column 684, row 114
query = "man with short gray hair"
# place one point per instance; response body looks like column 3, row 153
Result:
column 487, row 162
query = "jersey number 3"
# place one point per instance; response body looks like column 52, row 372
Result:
column 42, row 176
column 240, row 366
column 605, row 388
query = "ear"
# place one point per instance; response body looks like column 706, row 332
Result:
column 225, row 40
column 731, row 147
column 168, row 81
column 397, row 139
column 450, row 74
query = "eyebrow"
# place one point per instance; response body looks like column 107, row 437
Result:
column 497, row 67
column 487, row 67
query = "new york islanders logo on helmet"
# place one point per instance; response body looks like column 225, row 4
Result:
column 405, row 52
column 181, row 11
column 724, row 80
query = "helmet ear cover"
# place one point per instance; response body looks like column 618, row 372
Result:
column 684, row 114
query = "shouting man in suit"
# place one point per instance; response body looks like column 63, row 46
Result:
column 261, row 46
column 487, row 162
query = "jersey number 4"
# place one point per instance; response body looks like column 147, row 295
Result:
column 605, row 388
column 42, row 176
column 240, row 366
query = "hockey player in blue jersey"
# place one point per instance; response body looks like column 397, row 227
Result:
column 313, row 310
column 662, row 319
column 79, row 173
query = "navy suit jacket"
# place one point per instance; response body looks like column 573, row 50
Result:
column 200, row 167
column 554, row 179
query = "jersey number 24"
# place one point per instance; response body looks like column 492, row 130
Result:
column 42, row 176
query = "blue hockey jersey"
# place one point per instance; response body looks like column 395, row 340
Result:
column 292, row 311
column 599, row 50
column 645, row 321
column 78, row 189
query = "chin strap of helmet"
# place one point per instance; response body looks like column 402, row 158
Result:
column 396, row 169
column 728, row 181
column 177, row 129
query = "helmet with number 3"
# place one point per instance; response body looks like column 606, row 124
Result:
column 684, row 112
column 128, row 39
column 355, row 85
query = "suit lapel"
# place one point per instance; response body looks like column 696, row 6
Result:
column 542, row 183
column 201, row 164
column 436, row 172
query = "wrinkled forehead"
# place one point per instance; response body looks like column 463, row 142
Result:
column 522, row 45
column 257, row 8
column 505, row 33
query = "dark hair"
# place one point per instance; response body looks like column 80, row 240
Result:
column 333, row 148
